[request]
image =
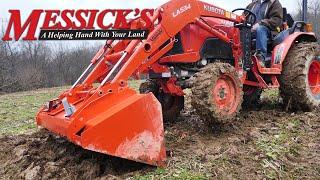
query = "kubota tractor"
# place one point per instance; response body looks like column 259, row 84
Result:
column 191, row 44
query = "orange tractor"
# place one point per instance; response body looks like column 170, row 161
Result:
column 191, row 44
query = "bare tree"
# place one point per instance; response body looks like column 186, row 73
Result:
column 313, row 14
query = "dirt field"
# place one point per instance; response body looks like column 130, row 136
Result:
column 262, row 143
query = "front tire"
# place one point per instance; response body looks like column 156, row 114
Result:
column 217, row 93
column 300, row 80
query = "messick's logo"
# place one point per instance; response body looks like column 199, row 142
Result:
column 70, row 19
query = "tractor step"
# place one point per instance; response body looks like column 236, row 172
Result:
column 271, row 71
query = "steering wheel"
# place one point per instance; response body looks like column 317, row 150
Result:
column 251, row 17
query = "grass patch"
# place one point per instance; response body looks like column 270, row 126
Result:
column 271, row 98
column 18, row 110
column 135, row 84
column 183, row 174
column 276, row 147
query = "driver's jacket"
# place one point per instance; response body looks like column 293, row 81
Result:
column 273, row 14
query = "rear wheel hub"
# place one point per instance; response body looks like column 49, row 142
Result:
column 314, row 77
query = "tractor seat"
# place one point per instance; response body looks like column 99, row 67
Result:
column 298, row 26
column 278, row 39
column 287, row 18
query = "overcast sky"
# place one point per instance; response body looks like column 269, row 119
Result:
column 26, row 6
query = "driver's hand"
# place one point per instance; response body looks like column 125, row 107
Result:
column 255, row 26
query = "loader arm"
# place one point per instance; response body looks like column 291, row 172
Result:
column 169, row 19
column 112, row 118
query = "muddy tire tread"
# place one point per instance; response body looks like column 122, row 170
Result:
column 201, row 96
column 293, row 86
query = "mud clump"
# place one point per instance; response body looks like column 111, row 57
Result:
column 43, row 155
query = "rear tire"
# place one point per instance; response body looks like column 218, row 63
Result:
column 300, row 79
column 217, row 93
column 171, row 105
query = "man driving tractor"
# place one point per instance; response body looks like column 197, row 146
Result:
column 269, row 19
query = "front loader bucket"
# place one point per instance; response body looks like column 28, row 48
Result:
column 124, row 124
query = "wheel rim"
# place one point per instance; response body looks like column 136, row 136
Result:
column 314, row 77
column 225, row 95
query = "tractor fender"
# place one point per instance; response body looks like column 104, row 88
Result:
column 280, row 51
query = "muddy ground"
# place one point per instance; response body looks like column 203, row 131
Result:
column 265, row 142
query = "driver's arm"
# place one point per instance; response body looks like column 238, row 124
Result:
column 275, row 16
